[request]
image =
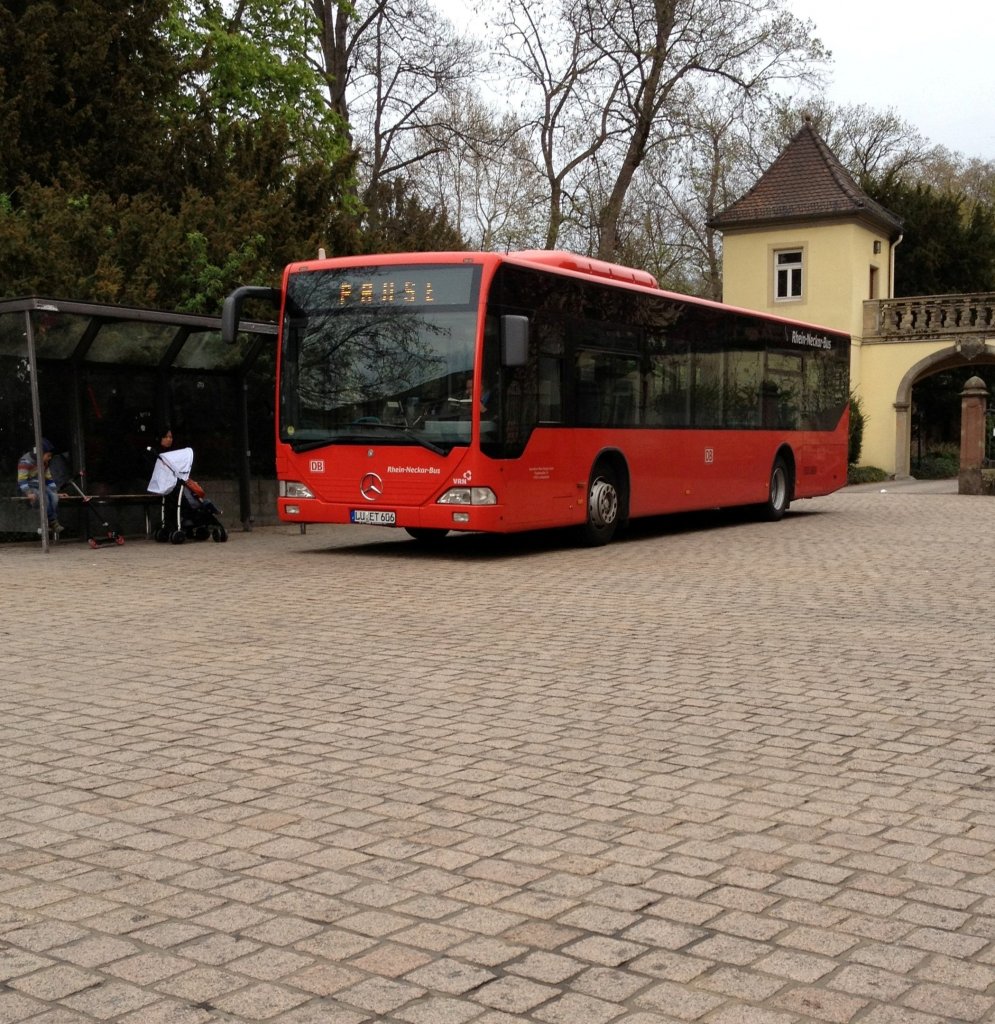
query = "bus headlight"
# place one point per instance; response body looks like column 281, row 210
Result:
column 468, row 496
column 294, row 489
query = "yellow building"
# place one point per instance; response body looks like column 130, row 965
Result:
column 807, row 243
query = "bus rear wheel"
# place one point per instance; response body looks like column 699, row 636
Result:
column 604, row 506
column 778, row 493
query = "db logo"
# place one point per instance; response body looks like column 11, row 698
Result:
column 317, row 465
column 709, row 456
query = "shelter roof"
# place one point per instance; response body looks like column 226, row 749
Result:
column 806, row 182
column 96, row 332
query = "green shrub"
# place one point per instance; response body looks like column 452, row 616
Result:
column 938, row 463
column 865, row 475
column 856, row 439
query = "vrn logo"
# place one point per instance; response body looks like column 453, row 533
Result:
column 464, row 479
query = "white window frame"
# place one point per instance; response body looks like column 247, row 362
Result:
column 789, row 276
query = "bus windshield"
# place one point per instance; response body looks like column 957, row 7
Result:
column 380, row 353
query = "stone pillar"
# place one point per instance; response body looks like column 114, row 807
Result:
column 973, row 404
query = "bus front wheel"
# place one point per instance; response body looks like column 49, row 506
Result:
column 604, row 506
column 778, row 493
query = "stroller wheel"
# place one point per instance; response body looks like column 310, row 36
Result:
column 220, row 534
column 177, row 537
column 92, row 543
column 161, row 535
column 119, row 539
column 201, row 533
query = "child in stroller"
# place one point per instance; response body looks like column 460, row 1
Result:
column 186, row 511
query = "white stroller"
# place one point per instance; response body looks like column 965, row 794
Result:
column 185, row 514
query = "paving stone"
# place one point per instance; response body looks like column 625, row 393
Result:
column 17, row 962
column 678, row 1001
column 514, row 995
column 113, row 999
column 380, row 995
column 438, row 1011
column 606, row 983
column 741, row 984
column 15, row 1007
column 55, row 982
column 820, row 1004
column 168, row 1012
column 202, row 984
column 574, row 1008
column 449, row 976
column 259, row 1002
column 711, row 828
column 487, row 952
column 953, row 1003
column 324, row 979
column 751, row 1015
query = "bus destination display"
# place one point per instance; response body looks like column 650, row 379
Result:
column 399, row 287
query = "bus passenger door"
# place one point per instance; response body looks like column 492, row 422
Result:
column 540, row 484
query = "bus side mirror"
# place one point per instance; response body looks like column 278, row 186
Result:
column 514, row 340
column 231, row 312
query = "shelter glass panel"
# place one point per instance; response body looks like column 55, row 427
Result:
column 204, row 350
column 57, row 334
column 131, row 344
column 115, row 414
column 204, row 419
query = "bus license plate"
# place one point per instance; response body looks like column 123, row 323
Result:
column 373, row 517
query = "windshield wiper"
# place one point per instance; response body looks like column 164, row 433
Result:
column 359, row 430
column 309, row 446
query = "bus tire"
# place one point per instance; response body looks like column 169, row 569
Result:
column 778, row 492
column 604, row 506
column 426, row 534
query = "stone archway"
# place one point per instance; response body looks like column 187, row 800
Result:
column 959, row 356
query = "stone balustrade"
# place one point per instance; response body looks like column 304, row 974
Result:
column 922, row 317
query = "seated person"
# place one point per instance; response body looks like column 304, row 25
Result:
column 30, row 486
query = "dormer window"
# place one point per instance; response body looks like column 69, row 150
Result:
column 787, row 275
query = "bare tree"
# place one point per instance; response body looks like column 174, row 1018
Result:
column 868, row 142
column 572, row 114
column 392, row 68
column 666, row 222
column 484, row 176
column 610, row 80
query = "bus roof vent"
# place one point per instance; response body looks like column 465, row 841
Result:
column 586, row 265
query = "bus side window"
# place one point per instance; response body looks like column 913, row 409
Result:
column 667, row 391
column 550, row 389
column 587, row 390
column 625, row 394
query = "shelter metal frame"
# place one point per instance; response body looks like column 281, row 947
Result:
column 101, row 314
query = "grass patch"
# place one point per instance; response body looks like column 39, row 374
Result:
column 865, row 475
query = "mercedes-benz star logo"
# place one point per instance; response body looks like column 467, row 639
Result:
column 371, row 487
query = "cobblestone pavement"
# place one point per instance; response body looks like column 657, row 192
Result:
column 721, row 771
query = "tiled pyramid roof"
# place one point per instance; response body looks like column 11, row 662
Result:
column 805, row 182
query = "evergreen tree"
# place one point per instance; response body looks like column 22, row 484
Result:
column 125, row 178
column 396, row 220
column 79, row 90
column 949, row 243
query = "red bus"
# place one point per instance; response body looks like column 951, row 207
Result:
column 500, row 392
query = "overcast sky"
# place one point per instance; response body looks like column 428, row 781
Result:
column 933, row 65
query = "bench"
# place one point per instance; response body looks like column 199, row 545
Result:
column 18, row 515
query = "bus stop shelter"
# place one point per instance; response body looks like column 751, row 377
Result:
column 100, row 381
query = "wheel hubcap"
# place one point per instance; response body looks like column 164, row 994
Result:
column 602, row 503
column 778, row 489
